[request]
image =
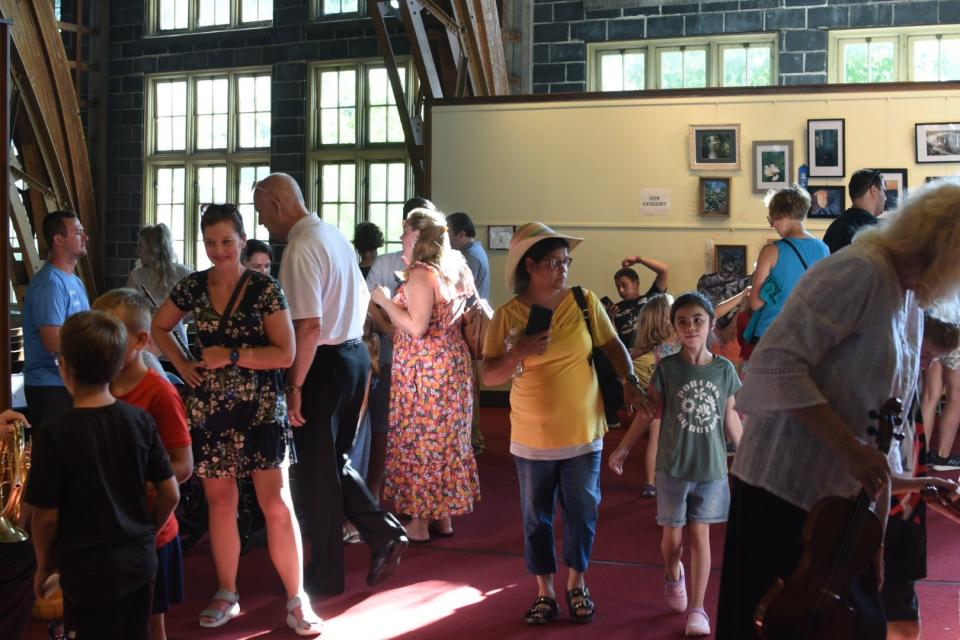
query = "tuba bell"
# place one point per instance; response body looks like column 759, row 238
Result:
column 14, row 469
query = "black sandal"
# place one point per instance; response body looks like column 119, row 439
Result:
column 543, row 610
column 583, row 602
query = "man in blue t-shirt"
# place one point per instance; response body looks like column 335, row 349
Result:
column 55, row 293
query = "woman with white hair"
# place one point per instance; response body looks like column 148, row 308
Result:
column 847, row 339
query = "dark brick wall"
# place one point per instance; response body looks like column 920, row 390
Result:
column 562, row 28
column 287, row 47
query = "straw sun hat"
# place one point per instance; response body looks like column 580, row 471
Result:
column 525, row 237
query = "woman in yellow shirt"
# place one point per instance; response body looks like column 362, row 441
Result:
column 556, row 417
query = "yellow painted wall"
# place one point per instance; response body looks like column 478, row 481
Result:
column 579, row 166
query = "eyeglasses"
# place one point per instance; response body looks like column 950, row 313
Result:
column 557, row 263
column 875, row 177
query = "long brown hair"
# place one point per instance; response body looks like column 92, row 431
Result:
column 433, row 245
column 653, row 324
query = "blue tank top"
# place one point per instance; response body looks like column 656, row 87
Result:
column 787, row 271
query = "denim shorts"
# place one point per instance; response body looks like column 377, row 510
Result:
column 682, row 501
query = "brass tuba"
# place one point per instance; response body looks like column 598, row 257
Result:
column 14, row 469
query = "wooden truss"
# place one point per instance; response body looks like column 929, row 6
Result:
column 457, row 50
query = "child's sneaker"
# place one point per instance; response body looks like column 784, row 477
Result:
column 649, row 491
column 698, row 623
column 675, row 592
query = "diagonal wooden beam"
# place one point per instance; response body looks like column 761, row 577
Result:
column 411, row 14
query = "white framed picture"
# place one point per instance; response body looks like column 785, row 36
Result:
column 826, row 148
column 938, row 142
column 499, row 236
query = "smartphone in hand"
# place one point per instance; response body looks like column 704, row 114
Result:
column 606, row 301
column 539, row 320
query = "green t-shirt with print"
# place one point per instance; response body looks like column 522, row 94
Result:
column 692, row 445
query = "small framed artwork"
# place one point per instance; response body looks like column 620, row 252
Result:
column 715, row 146
column 826, row 147
column 938, row 142
column 895, row 186
column 714, row 197
column 772, row 164
column 827, row 201
column 499, row 236
column 731, row 258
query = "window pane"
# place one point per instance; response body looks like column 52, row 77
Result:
column 169, row 202
column 881, row 62
column 694, row 68
column 855, row 62
column 211, row 189
column 926, row 55
column 338, row 107
column 256, row 10
column 735, row 67
column 251, row 220
column 671, row 70
column 212, row 104
column 387, row 194
column 384, row 119
column 340, row 6
column 254, row 109
column 634, row 71
column 759, row 66
column 611, row 72
column 171, row 108
column 338, row 199
column 173, row 14
column 950, row 59
column 213, row 12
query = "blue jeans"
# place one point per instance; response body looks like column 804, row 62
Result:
column 576, row 482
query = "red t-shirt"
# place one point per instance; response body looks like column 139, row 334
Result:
column 155, row 395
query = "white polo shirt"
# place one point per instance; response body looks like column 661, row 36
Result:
column 321, row 278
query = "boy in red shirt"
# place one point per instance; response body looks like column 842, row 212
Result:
column 143, row 387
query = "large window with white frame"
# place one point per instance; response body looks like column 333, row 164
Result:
column 904, row 54
column 171, row 16
column 358, row 162
column 208, row 141
column 683, row 63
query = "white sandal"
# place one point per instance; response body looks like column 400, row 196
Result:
column 221, row 617
column 309, row 624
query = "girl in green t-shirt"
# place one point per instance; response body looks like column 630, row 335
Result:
column 694, row 390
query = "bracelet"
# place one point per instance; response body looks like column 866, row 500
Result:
column 631, row 378
column 292, row 388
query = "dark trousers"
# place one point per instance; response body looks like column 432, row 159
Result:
column 327, row 489
column 764, row 542
column 46, row 402
column 127, row 618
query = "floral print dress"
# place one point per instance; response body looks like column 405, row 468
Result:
column 430, row 469
column 237, row 416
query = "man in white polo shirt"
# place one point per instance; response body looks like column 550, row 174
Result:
column 325, row 386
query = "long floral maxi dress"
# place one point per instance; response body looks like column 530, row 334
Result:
column 237, row 416
column 430, row 468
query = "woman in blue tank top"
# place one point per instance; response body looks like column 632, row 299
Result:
column 782, row 264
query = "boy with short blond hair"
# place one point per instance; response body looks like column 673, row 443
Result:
column 91, row 521
column 141, row 386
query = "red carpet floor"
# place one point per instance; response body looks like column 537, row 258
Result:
column 474, row 586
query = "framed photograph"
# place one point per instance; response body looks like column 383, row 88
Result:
column 772, row 164
column 828, row 200
column 731, row 258
column 826, row 147
column 715, row 146
column 499, row 236
column 895, row 185
column 938, row 142
column 714, row 197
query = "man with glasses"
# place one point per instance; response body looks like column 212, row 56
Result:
column 868, row 197
column 325, row 387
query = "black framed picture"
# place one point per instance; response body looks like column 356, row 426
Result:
column 895, row 186
column 731, row 258
column 826, row 148
column 715, row 146
column 827, row 201
column 938, row 142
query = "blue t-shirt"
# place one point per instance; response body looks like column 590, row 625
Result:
column 52, row 297
column 476, row 259
column 787, row 271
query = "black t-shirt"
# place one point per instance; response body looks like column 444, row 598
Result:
column 841, row 231
column 626, row 312
column 93, row 465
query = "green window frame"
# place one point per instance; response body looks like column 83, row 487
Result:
column 167, row 17
column 904, row 54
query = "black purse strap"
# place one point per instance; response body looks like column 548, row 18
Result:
column 584, row 309
column 800, row 257
column 228, row 311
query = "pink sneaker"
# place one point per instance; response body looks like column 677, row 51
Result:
column 675, row 592
column 698, row 623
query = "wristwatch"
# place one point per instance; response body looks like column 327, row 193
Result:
column 234, row 356
column 632, row 379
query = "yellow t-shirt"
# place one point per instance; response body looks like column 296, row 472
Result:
column 556, row 401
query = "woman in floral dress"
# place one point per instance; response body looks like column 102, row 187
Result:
column 431, row 473
column 237, row 409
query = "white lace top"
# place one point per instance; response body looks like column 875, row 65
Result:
column 848, row 336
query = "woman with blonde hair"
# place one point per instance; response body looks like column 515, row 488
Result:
column 431, row 473
column 848, row 339
column 782, row 263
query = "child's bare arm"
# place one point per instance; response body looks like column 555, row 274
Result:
column 639, row 426
column 731, row 422
column 181, row 460
column 43, row 529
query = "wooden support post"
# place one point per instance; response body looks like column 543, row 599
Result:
column 411, row 14
column 6, row 400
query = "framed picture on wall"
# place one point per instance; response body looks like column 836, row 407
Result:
column 938, row 142
column 827, row 201
column 826, row 147
column 499, row 236
column 895, row 185
column 731, row 258
column 714, row 197
column 772, row 164
column 715, row 146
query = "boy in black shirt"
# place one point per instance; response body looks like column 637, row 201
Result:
column 89, row 471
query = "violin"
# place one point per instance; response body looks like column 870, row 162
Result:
column 841, row 538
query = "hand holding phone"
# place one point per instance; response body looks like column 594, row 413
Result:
column 539, row 321
column 606, row 301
